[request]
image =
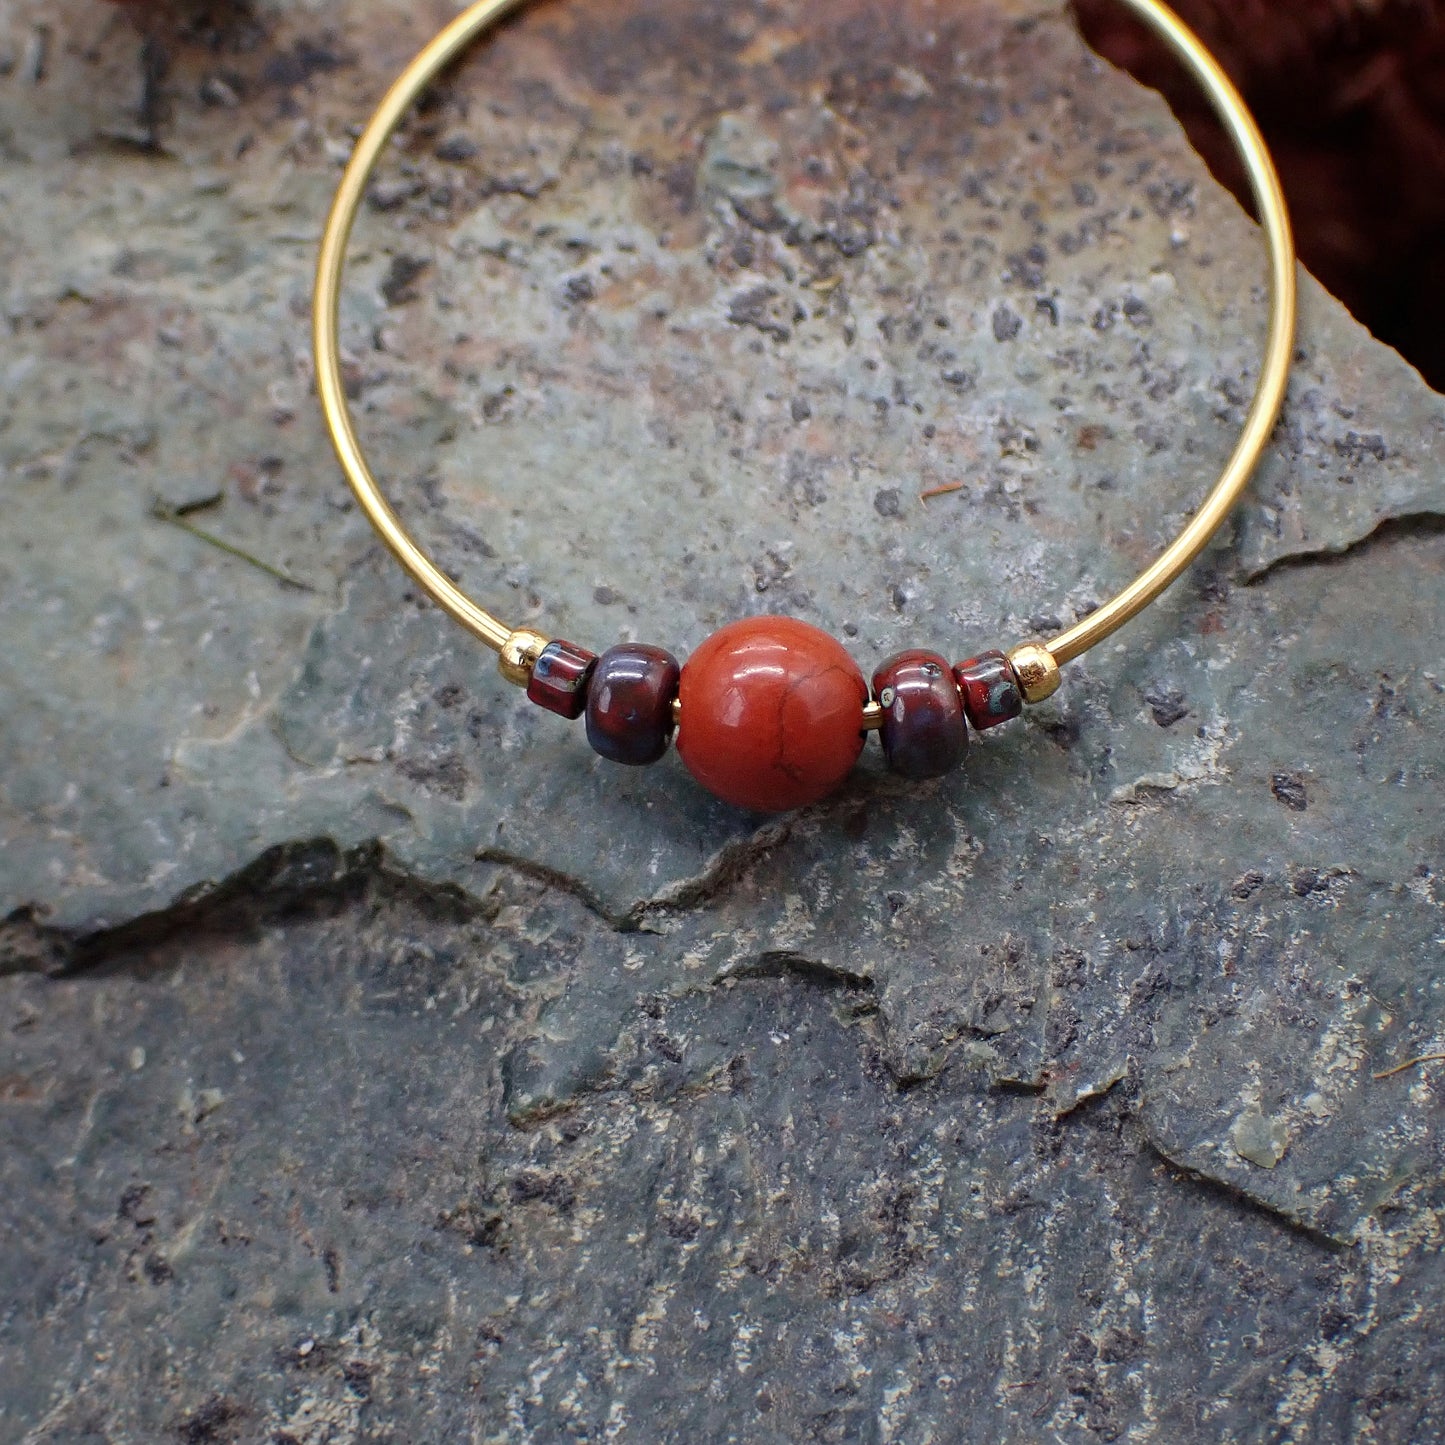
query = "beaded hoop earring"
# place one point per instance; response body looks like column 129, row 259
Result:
column 771, row 713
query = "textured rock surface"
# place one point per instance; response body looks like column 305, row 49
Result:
column 380, row 1064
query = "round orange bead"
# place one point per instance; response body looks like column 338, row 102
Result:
column 772, row 714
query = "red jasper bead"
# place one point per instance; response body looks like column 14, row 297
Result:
column 990, row 690
column 772, row 714
column 559, row 678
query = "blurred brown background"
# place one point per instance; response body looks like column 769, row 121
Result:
column 1351, row 94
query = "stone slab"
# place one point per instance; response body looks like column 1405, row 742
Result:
column 381, row 1065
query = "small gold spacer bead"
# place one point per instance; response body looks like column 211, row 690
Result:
column 519, row 655
column 1036, row 670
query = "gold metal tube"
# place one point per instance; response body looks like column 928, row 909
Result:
column 1279, row 349
column 433, row 58
column 1263, row 413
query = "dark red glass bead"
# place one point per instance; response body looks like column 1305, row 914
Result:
column 924, row 735
column 560, row 677
column 990, row 690
column 629, row 705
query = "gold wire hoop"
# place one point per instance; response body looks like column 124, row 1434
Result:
column 1043, row 659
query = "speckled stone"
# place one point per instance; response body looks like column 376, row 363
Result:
column 378, row 1064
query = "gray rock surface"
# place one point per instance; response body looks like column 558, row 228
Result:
column 378, row 1064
